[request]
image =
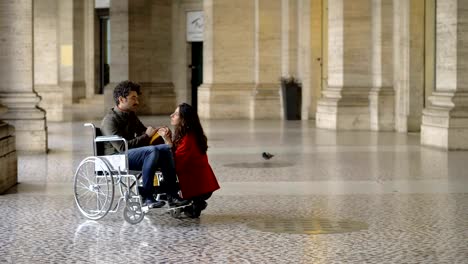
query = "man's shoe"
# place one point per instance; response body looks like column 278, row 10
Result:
column 151, row 203
column 176, row 201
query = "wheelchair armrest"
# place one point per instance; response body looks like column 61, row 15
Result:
column 112, row 138
column 109, row 138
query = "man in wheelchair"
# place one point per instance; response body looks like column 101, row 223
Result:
column 121, row 120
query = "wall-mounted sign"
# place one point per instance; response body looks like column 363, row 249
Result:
column 102, row 4
column 195, row 21
column 66, row 55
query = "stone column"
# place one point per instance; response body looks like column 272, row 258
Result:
column 141, row 52
column 71, row 50
column 382, row 95
column 265, row 101
column 91, row 48
column 120, row 44
column 305, row 51
column 345, row 101
column 408, row 64
column 228, row 59
column 313, row 54
column 8, row 160
column 445, row 122
column 46, row 58
column 151, row 59
column 16, row 73
column 289, row 38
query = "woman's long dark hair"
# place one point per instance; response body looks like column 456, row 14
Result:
column 189, row 123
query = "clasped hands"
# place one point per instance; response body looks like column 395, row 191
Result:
column 164, row 132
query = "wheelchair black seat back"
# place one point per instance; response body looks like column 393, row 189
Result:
column 99, row 145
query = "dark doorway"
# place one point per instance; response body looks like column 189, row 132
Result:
column 104, row 47
column 197, row 70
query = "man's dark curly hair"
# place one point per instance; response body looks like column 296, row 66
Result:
column 124, row 88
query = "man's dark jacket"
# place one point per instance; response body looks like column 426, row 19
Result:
column 126, row 125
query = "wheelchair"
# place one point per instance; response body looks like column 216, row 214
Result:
column 97, row 176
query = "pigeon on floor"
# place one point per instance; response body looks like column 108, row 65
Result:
column 267, row 156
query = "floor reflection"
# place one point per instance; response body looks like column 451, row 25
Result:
column 413, row 201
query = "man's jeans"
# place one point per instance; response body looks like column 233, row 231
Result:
column 149, row 159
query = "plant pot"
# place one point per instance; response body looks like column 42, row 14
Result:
column 292, row 99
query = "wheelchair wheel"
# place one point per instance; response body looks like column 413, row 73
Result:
column 94, row 188
column 133, row 213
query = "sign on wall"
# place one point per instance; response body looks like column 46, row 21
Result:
column 195, row 21
column 102, row 4
column 66, row 55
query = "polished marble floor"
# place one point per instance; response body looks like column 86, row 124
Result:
column 411, row 202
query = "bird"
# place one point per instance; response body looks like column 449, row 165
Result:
column 267, row 156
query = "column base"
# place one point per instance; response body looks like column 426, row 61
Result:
column 382, row 109
column 28, row 120
column 225, row 101
column 344, row 109
column 8, row 158
column 265, row 102
column 444, row 138
column 52, row 101
column 445, row 123
column 407, row 123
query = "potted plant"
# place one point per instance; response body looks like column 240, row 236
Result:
column 291, row 89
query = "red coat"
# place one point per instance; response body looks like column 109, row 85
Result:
column 193, row 170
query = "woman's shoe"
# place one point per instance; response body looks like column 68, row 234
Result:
column 194, row 211
column 200, row 206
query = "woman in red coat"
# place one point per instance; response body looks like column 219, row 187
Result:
column 196, row 178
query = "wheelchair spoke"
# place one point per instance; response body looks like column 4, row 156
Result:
column 94, row 190
column 84, row 187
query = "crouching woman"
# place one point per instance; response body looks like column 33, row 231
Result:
column 196, row 178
